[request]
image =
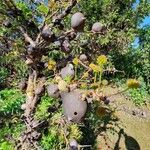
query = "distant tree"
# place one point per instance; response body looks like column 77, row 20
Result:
column 121, row 19
column 144, row 47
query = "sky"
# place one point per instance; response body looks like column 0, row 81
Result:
column 146, row 21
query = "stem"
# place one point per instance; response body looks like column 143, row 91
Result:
column 83, row 146
column 120, row 92
column 100, row 78
column 83, row 75
column 35, row 78
column 100, row 75
column 75, row 72
column 95, row 77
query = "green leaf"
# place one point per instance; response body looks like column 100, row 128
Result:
column 6, row 146
column 43, row 9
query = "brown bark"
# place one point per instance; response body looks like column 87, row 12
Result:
column 34, row 91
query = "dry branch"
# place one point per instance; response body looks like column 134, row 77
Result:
column 27, row 37
column 65, row 12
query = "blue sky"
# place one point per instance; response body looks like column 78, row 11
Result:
column 146, row 21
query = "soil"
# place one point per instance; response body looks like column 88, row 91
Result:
column 132, row 130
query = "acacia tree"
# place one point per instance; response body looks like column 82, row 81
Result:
column 144, row 53
column 40, row 27
column 36, row 43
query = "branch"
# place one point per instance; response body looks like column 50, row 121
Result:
column 68, row 9
column 57, row 21
column 6, row 38
column 44, row 24
column 86, row 67
column 27, row 38
column 65, row 12
column 12, row 2
column 4, row 48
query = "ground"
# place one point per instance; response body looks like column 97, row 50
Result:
column 132, row 131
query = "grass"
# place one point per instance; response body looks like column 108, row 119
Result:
column 135, row 133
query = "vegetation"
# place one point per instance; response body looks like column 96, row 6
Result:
column 10, row 106
column 56, row 59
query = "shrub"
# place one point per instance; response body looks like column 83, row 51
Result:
column 42, row 109
column 3, row 75
column 139, row 95
column 10, row 101
column 10, row 128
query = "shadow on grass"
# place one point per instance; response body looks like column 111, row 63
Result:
column 130, row 142
column 97, row 124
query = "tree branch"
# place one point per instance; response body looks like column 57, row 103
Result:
column 57, row 21
column 27, row 37
column 64, row 13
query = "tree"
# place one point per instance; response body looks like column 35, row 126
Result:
column 37, row 28
column 144, row 46
column 120, row 18
column 37, row 40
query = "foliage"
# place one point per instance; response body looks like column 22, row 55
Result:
column 10, row 128
column 5, row 146
column 144, row 46
column 3, row 75
column 133, row 83
column 27, row 20
column 55, row 136
column 140, row 95
column 42, row 109
column 120, row 19
column 74, row 132
column 98, row 119
column 50, row 141
column 99, row 68
column 12, row 68
column 10, row 101
column 139, row 63
column 51, row 65
column 136, row 92
column 12, row 62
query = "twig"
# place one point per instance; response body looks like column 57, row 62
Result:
column 58, row 20
column 65, row 12
column 85, row 66
column 106, row 70
column 12, row 2
column 6, row 38
column 4, row 48
column 83, row 146
column 39, row 35
column 27, row 37
column 120, row 92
